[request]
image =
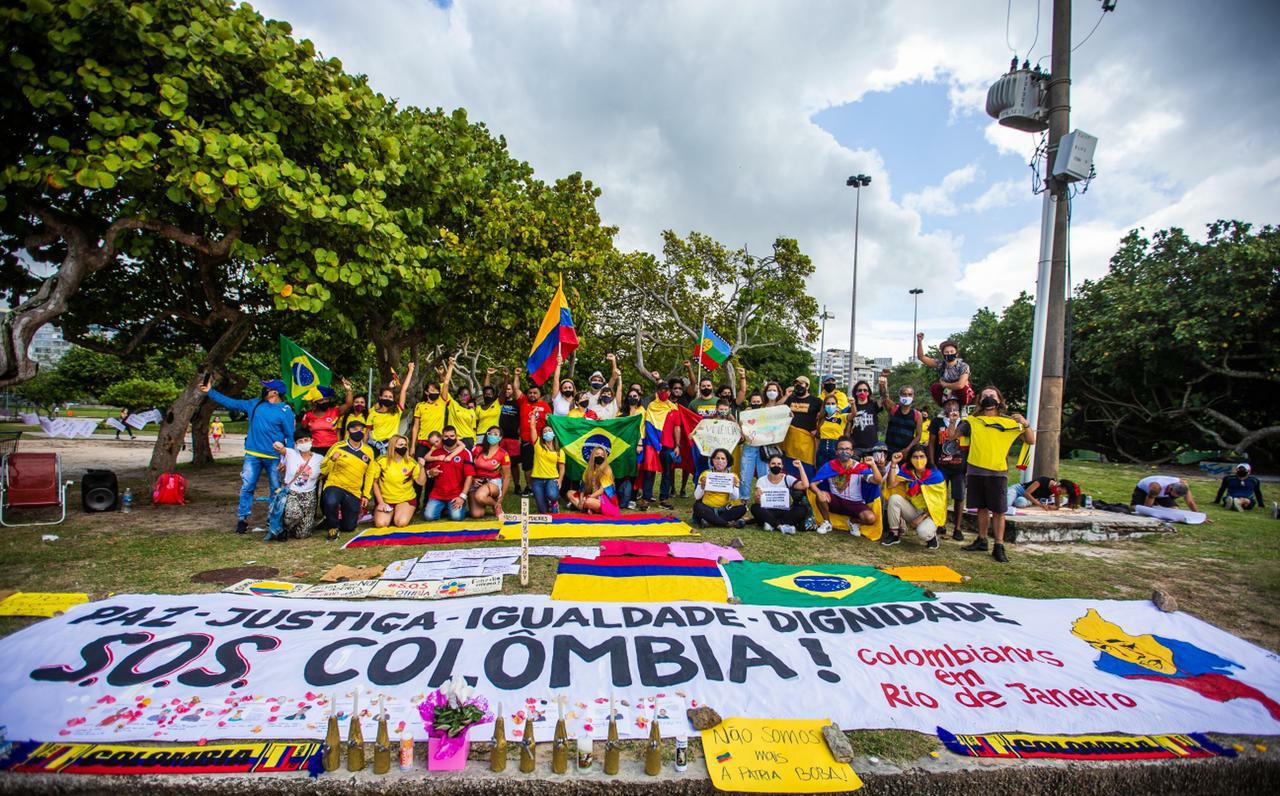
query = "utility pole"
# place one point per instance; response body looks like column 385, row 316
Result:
column 1049, row 420
column 915, row 314
column 822, row 346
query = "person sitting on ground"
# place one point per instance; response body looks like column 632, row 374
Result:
column 548, row 472
column 716, row 497
column 1163, row 491
column 453, row 484
column 1041, row 493
column 847, row 488
column 948, row 450
column 493, row 475
column 216, row 430
column 991, row 435
column 906, row 423
column 953, row 372
column 1071, row 492
column 597, row 495
column 395, row 493
column 349, row 471
column 1240, row 492
column 293, row 508
column 270, row 421
column 776, row 506
column 384, row 420
column 924, row 508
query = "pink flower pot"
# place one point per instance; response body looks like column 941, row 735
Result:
column 447, row 754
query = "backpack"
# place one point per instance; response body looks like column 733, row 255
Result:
column 171, row 490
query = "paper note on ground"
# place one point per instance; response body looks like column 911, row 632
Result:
column 774, row 756
column 40, row 603
column 398, row 570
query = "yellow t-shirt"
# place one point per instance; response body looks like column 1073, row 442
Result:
column 487, row 418
column 395, row 480
column 430, row 417
column 546, row 462
column 344, row 469
column 382, row 425
column 215, row 428
column 842, row 400
column 718, row 500
column 463, row 419
column 831, row 426
column 990, row 438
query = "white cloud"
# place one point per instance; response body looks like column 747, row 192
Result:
column 1000, row 194
column 939, row 200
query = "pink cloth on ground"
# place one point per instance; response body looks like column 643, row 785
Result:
column 704, row 550
column 627, row 547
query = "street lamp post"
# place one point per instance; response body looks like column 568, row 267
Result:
column 915, row 314
column 857, row 181
column 822, row 345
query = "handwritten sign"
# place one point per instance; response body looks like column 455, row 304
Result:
column 720, row 482
column 345, row 590
column 40, row 603
column 775, row 497
column 711, row 434
column 437, row 589
column 774, row 756
column 766, row 426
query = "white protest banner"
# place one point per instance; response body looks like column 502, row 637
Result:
column 115, row 423
column 973, row 663
column 438, row 589
column 139, row 420
column 711, row 434
column 70, row 427
column 720, row 482
column 775, row 497
column 29, row 418
column 766, row 426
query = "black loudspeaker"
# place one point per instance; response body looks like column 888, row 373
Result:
column 99, row 490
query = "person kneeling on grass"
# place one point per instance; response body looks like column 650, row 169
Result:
column 395, row 492
column 493, row 474
column 776, row 506
column 597, row 495
column 924, row 508
column 846, row 489
column 715, row 498
column 1240, row 492
column 453, row 483
column 349, row 471
column 293, row 507
column 548, row 472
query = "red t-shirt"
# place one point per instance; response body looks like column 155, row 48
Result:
column 538, row 410
column 453, row 473
column 323, row 427
column 489, row 467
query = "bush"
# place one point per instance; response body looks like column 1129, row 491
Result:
column 141, row 393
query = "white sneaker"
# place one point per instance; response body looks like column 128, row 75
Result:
column 824, row 528
column 854, row 531
column 787, row 530
column 768, row 527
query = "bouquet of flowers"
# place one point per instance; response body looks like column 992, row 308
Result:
column 448, row 712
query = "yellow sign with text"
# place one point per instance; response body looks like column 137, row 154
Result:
column 40, row 603
column 774, row 756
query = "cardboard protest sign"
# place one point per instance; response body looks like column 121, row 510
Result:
column 40, row 603
column 437, row 589
column 774, row 756
column 766, row 426
column 345, row 590
column 711, row 434
column 264, row 588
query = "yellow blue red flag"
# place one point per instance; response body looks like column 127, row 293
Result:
column 638, row 579
column 556, row 339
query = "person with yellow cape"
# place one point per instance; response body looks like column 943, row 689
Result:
column 802, row 438
column 924, row 506
column 991, row 435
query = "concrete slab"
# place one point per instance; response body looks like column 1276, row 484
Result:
column 1076, row 525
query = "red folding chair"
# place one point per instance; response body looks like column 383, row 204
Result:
column 32, row 481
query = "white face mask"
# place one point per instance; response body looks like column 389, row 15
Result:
column 303, row 447
column 772, row 395
column 906, row 400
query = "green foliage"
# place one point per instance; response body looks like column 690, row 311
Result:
column 998, row 349
column 781, row 362
column 46, row 391
column 141, row 393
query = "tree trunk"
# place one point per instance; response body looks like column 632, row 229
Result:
column 170, row 437
column 201, row 453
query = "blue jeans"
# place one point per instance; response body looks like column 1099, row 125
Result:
column 626, row 491
column 435, row 508
column 250, row 473
column 668, row 478
column 341, row 509
column 826, row 451
column 546, row 494
column 750, row 468
column 275, row 513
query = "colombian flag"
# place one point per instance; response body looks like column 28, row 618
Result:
column 638, row 579
column 302, row 373
column 579, row 437
column 712, row 349
column 556, row 339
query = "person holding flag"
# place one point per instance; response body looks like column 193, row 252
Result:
column 924, row 508
column 306, row 378
column 555, row 341
column 597, row 495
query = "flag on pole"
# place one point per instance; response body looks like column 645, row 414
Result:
column 555, row 339
column 712, row 349
column 302, row 373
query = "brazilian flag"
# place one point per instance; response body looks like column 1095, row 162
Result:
column 758, row 583
column 579, row 437
column 303, row 374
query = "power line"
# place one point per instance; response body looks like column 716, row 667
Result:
column 1095, row 27
column 1037, row 38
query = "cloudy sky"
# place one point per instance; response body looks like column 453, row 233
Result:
column 742, row 119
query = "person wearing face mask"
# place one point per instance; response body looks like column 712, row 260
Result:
column 582, row 408
column 776, row 505
column 845, row 487
column 395, row 494
column 384, row 420
column 270, row 421
column 773, row 394
column 751, row 465
column 802, row 438
column 349, row 471
column 715, row 501
column 991, row 434
column 358, row 410
column 832, row 425
column 704, row 403
column 492, row 475
column 452, row 485
column 548, row 472
column 293, row 508
column 463, row 417
column 533, row 419
column 953, row 372
column 829, row 390
column 906, row 423
column 566, row 398
column 598, row 495
column 657, row 457
column 949, row 450
column 323, row 418
column 1241, row 492
column 509, row 422
column 489, row 409
column 602, row 393
column 923, row 508
column 863, row 424
column 429, row 414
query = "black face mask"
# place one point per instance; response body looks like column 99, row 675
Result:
column 706, row 393
column 387, row 402
column 828, row 388
column 757, row 406
column 584, row 404
column 449, row 442
column 775, row 468
column 800, row 389
column 633, row 400
column 355, row 436
column 401, row 450
column 599, row 460
column 949, row 357
column 567, row 393
column 431, row 396
column 989, row 401
column 605, row 399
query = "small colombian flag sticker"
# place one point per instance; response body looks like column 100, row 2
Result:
column 724, row 757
